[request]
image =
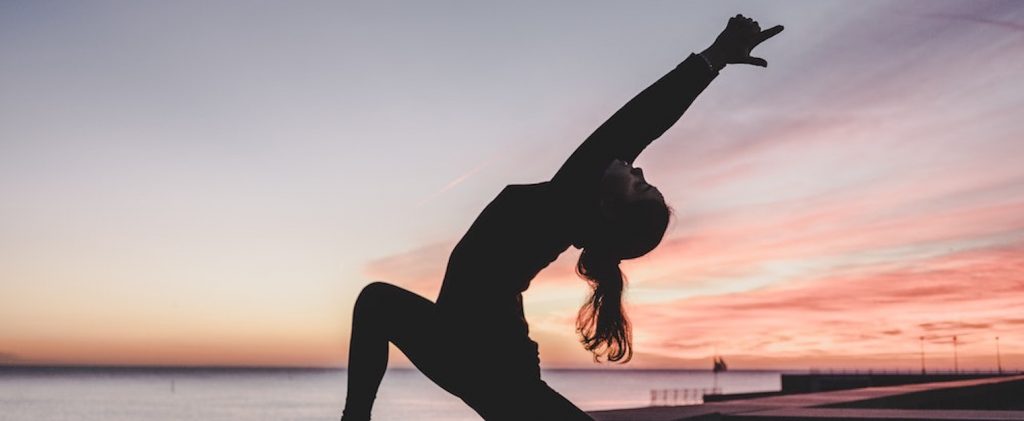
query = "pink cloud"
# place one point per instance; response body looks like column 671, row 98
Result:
column 968, row 294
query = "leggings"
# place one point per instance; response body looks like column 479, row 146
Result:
column 497, row 389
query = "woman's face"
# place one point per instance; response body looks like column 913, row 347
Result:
column 622, row 183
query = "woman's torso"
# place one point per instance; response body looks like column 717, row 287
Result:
column 519, row 233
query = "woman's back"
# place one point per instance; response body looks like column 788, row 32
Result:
column 519, row 233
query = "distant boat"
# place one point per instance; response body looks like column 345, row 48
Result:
column 719, row 365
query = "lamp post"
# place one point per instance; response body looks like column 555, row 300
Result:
column 922, row 355
column 999, row 359
column 956, row 359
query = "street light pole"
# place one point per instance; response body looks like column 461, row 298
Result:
column 922, row 355
column 956, row 359
column 999, row 359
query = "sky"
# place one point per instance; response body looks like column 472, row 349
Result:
column 212, row 183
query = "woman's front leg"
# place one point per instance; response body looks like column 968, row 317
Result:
column 386, row 313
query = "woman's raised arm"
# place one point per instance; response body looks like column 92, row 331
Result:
column 654, row 110
column 638, row 123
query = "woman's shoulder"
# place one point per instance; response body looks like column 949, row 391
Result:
column 545, row 197
column 543, row 185
column 543, row 191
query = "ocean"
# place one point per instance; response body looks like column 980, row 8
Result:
column 163, row 394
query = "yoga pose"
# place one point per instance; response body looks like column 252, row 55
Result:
column 473, row 341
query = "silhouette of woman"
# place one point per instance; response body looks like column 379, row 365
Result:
column 474, row 341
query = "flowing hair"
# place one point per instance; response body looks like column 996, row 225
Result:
column 601, row 322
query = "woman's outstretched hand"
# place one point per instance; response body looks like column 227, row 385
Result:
column 733, row 45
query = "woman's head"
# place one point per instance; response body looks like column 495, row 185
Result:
column 624, row 183
column 634, row 214
column 633, row 221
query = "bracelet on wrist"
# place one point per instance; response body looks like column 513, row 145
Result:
column 711, row 65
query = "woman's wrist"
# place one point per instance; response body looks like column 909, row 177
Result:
column 713, row 58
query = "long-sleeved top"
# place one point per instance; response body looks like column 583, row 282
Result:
column 526, row 227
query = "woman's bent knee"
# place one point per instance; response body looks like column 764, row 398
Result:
column 376, row 289
column 373, row 296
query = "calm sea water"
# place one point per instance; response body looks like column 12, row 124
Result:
column 239, row 394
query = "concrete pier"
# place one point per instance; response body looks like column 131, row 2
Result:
column 993, row 398
column 841, row 380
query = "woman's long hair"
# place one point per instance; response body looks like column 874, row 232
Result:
column 601, row 322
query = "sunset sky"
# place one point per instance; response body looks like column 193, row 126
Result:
column 212, row 183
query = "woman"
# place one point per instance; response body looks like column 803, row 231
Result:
column 474, row 341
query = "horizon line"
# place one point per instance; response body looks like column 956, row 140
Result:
column 220, row 367
column 169, row 367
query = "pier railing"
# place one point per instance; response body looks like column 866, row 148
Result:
column 677, row 397
column 695, row 396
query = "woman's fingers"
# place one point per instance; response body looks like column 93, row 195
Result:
column 757, row 61
column 761, row 37
column 768, row 33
